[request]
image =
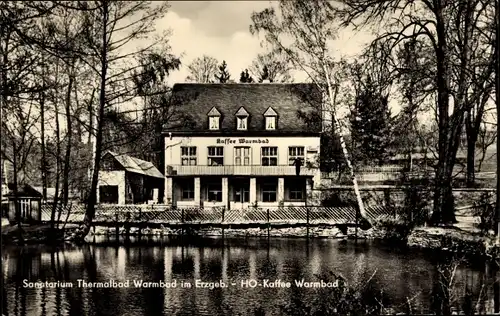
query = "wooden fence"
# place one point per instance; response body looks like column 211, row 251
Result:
column 217, row 215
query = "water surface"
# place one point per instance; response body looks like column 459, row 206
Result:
column 401, row 277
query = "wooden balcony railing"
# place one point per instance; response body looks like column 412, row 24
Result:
column 200, row 170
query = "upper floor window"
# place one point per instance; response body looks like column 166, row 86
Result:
column 295, row 152
column 241, row 123
column 214, row 119
column 269, row 156
column 214, row 122
column 242, row 156
column 215, row 156
column 270, row 118
column 270, row 122
column 188, row 156
column 241, row 119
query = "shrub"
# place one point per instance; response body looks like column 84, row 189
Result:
column 393, row 229
column 485, row 210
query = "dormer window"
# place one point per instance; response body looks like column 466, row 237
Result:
column 270, row 119
column 242, row 123
column 271, row 122
column 214, row 119
column 242, row 119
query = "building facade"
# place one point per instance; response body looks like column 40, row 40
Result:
column 243, row 145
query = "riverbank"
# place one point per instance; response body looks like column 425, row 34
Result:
column 35, row 234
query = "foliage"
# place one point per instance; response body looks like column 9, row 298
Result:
column 202, row 69
column 394, row 229
column 485, row 209
column 223, row 75
column 271, row 66
column 371, row 125
column 245, row 77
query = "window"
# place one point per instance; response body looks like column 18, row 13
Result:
column 188, row 156
column 214, row 122
column 187, row 190
column 270, row 122
column 241, row 123
column 269, row 192
column 108, row 194
column 296, row 190
column 294, row 153
column 242, row 156
column 214, row 192
column 269, row 156
column 215, row 156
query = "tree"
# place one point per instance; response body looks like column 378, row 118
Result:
column 271, row 66
column 371, row 125
column 202, row 70
column 452, row 32
column 245, row 77
column 223, row 75
column 110, row 26
column 309, row 25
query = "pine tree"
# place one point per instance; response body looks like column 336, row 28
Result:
column 265, row 74
column 371, row 126
column 245, row 77
column 223, row 75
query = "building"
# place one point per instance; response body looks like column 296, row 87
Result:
column 240, row 145
column 29, row 201
column 128, row 180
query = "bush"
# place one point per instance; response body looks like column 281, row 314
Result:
column 393, row 229
column 485, row 210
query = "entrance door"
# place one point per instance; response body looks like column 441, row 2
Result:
column 241, row 194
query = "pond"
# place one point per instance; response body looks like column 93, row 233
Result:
column 401, row 278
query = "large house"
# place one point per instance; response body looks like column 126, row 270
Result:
column 245, row 145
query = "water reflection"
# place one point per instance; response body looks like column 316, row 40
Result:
column 407, row 281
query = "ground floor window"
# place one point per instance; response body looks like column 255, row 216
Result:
column 108, row 194
column 269, row 192
column 187, row 189
column 214, row 192
column 296, row 190
column 241, row 193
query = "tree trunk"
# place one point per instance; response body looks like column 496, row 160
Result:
column 92, row 197
column 471, row 159
column 42, row 136
column 67, row 156
column 443, row 211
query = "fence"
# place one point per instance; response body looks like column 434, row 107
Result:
column 217, row 215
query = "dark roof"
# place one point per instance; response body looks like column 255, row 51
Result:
column 297, row 105
column 136, row 165
column 23, row 190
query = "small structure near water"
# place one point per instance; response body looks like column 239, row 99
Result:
column 29, row 201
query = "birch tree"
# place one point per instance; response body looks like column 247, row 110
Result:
column 303, row 31
column 202, row 69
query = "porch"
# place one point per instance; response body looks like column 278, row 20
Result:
column 237, row 192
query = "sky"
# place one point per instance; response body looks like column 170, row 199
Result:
column 221, row 29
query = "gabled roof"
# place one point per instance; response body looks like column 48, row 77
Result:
column 270, row 112
column 242, row 112
column 298, row 105
column 214, row 112
column 136, row 165
column 23, row 190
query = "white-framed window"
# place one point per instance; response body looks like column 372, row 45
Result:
column 295, row 152
column 241, row 123
column 188, row 156
column 213, row 122
column 214, row 192
column 269, row 156
column 187, row 188
column 215, row 156
column 270, row 122
column 296, row 190
column 242, row 156
column 269, row 191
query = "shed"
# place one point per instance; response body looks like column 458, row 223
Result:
column 29, row 201
column 128, row 180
